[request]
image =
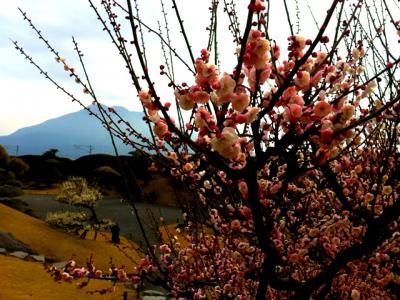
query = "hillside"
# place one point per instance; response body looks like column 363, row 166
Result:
column 28, row 280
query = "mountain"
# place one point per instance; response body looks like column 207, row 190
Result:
column 74, row 134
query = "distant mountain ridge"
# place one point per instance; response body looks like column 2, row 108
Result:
column 73, row 134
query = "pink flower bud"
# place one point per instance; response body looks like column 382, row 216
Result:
column 235, row 225
column 243, row 189
column 295, row 111
column 326, row 135
column 144, row 97
column 165, row 249
column 240, row 119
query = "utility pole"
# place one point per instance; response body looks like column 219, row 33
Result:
column 10, row 147
column 86, row 148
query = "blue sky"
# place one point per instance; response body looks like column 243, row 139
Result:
column 27, row 98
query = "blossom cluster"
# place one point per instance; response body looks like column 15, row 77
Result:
column 321, row 110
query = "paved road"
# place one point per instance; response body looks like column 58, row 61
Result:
column 115, row 209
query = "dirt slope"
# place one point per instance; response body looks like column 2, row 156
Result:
column 27, row 280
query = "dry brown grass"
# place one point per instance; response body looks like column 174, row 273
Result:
column 52, row 191
column 21, row 279
column 161, row 185
column 59, row 246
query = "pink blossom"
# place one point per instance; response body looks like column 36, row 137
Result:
column 98, row 274
column 121, row 275
column 201, row 97
column 144, row 97
column 227, row 86
column 257, row 50
column 322, row 108
column 294, row 111
column 235, row 225
column 275, row 188
column 226, row 144
column 261, row 48
column 246, row 212
column 316, row 78
column 251, row 114
column 187, row 167
column 321, row 56
column 303, row 80
column 185, row 102
column 241, row 118
column 276, row 52
column 290, row 92
column 297, row 99
column 160, row 129
column 165, row 249
column 326, row 135
column 263, row 74
column 240, row 102
column 243, row 189
column 153, row 115
column 347, row 111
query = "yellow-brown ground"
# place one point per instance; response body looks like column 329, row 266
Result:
column 27, row 280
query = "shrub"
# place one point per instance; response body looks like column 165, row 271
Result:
column 19, row 205
column 76, row 221
column 10, row 191
column 14, row 182
column 76, row 191
column 17, row 166
column 4, row 157
column 106, row 171
column 68, row 220
column 49, row 171
column 6, row 176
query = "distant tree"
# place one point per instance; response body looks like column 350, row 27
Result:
column 18, row 166
column 107, row 177
column 51, row 153
column 140, row 165
column 50, row 171
column 4, row 157
column 77, row 222
column 77, row 192
column 107, row 171
column 8, row 190
column 9, row 168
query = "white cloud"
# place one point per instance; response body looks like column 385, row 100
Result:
column 22, row 103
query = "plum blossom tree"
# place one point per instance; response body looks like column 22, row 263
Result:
column 76, row 192
column 292, row 155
